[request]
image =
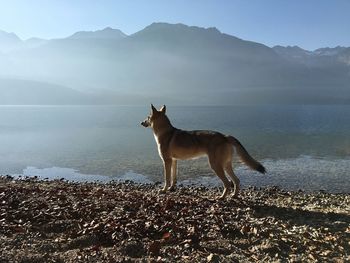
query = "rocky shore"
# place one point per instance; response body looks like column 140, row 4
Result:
column 59, row 221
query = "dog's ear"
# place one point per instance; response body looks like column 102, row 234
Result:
column 154, row 110
column 163, row 109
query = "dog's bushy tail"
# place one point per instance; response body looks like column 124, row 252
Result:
column 245, row 157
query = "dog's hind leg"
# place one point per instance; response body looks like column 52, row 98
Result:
column 234, row 178
column 219, row 170
column 173, row 174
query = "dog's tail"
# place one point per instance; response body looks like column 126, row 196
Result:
column 245, row 157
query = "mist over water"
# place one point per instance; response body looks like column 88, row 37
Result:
column 304, row 147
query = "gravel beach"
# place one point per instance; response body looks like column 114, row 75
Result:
column 60, row 221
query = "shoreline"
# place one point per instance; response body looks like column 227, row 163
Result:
column 60, row 221
column 304, row 172
column 247, row 178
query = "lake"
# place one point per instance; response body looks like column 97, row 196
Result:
column 302, row 147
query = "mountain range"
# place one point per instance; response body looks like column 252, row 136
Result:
column 169, row 63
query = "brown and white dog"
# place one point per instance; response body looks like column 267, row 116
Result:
column 175, row 144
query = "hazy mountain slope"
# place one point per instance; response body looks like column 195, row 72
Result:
column 322, row 57
column 344, row 56
column 293, row 53
column 9, row 41
column 184, row 65
column 15, row 91
column 160, row 57
column 34, row 42
column 107, row 33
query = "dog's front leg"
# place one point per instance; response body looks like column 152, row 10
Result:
column 173, row 174
column 167, row 174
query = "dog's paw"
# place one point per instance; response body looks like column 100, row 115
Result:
column 172, row 188
column 162, row 191
column 235, row 195
column 220, row 198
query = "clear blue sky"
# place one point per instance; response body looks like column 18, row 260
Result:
column 307, row 23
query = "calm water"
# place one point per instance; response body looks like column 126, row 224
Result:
column 304, row 147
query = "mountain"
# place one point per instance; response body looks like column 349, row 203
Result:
column 27, row 92
column 196, row 41
column 344, row 56
column 35, row 42
column 292, row 53
column 161, row 59
column 107, row 33
column 180, row 64
column 297, row 52
column 9, row 41
column 329, row 51
column 322, row 57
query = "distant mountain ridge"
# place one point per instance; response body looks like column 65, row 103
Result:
column 321, row 55
column 9, row 41
column 180, row 64
column 111, row 33
column 106, row 33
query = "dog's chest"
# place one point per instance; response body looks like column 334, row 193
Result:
column 158, row 144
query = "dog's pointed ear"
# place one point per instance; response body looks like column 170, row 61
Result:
column 153, row 109
column 163, row 109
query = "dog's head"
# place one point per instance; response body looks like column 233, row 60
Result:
column 154, row 116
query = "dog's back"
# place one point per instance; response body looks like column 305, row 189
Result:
column 192, row 144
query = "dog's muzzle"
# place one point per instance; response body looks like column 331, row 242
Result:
column 145, row 124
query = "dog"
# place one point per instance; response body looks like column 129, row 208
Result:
column 175, row 144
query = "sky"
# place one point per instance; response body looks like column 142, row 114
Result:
column 310, row 24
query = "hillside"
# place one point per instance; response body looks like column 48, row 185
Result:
column 25, row 92
column 9, row 41
column 180, row 64
column 107, row 33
